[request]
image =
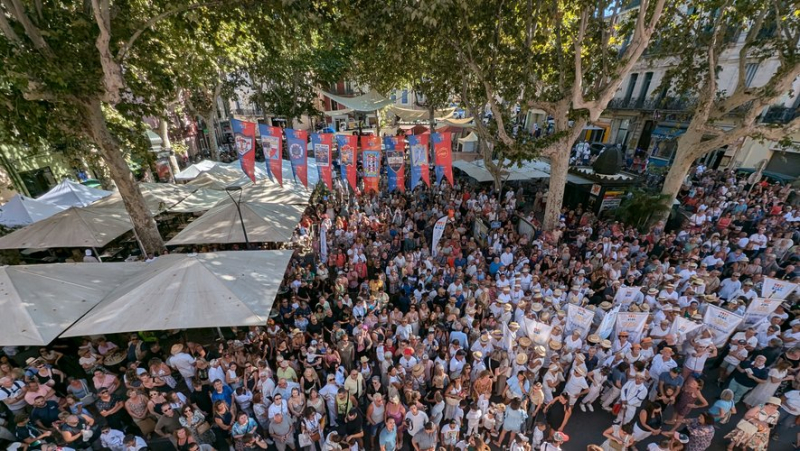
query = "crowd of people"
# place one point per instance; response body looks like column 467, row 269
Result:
column 379, row 343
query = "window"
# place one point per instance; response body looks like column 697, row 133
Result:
column 750, row 74
column 394, row 95
column 38, row 181
column 404, row 97
column 631, row 87
column 648, row 77
column 622, row 132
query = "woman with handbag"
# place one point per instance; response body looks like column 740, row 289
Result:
column 136, row 406
column 243, row 426
column 313, row 427
column 755, row 420
column 618, row 438
column 195, row 422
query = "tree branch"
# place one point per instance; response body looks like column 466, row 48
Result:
column 6, row 29
column 17, row 11
column 147, row 25
column 577, row 85
column 748, row 42
column 113, row 81
column 709, row 90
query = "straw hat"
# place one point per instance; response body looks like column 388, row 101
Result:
column 652, row 291
column 605, row 344
column 580, row 371
column 605, row 305
column 525, row 342
column 521, row 359
column 364, row 359
column 594, row 338
column 497, row 333
column 580, row 357
column 645, row 307
column 545, row 316
column 513, row 325
column 555, row 345
column 557, row 293
column 417, row 370
column 540, row 351
column 485, row 338
column 477, row 355
column 561, row 313
column 537, row 307
column 507, row 307
column 176, row 348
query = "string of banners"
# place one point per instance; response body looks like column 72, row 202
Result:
column 369, row 150
column 720, row 322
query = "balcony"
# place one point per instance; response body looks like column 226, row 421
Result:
column 665, row 104
column 779, row 115
column 251, row 112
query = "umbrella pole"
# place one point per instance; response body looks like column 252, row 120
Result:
column 219, row 331
column 141, row 246
column 97, row 254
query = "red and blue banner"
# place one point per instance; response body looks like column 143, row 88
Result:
column 443, row 156
column 395, row 163
column 347, row 158
column 322, row 144
column 418, row 146
column 272, row 146
column 297, row 144
column 244, row 139
column 371, row 163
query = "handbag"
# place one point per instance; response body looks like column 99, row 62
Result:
column 315, row 436
column 747, row 427
column 304, row 440
column 89, row 399
column 617, row 407
column 203, row 427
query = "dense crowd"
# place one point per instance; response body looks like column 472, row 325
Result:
column 378, row 343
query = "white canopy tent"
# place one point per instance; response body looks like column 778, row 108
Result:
column 409, row 115
column 234, row 288
column 201, row 200
column 195, row 170
column 39, row 302
column 21, row 211
column 469, row 143
column 529, row 171
column 368, row 102
column 159, row 197
column 74, row 227
column 273, row 223
column 72, row 194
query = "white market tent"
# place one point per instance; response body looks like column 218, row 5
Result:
column 529, row 171
column 469, row 143
column 21, row 211
column 72, row 194
column 201, row 200
column 159, row 197
column 409, row 115
column 368, row 102
column 39, row 302
column 234, row 288
column 264, row 222
column 195, row 170
column 74, row 227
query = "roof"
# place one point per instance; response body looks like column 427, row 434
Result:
column 39, row 302
column 471, row 138
column 22, row 211
column 73, row 194
column 409, row 115
column 74, row 227
column 159, row 197
column 477, row 170
column 177, row 291
column 370, row 101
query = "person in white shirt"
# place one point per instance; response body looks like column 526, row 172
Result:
column 631, row 396
column 758, row 239
column 729, row 286
column 112, row 439
column 576, row 385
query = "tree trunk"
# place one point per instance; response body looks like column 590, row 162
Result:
column 212, row 135
column 680, row 167
column 559, row 165
column 558, row 152
column 143, row 223
column 166, row 145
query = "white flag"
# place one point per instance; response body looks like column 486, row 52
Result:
column 438, row 230
column 538, row 332
column 759, row 309
column 626, row 295
column 777, row 289
column 606, row 327
column 682, row 327
column 633, row 323
column 578, row 318
column 722, row 323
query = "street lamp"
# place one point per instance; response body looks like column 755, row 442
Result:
column 229, row 189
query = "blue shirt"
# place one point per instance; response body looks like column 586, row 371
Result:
column 388, row 439
column 224, row 396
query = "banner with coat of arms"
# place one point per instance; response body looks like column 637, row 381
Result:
column 272, row 146
column 297, row 143
column 371, row 155
column 244, row 139
column 322, row 144
column 395, row 163
column 418, row 146
column 347, row 158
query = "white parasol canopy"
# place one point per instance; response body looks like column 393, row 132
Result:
column 73, row 227
column 233, row 288
column 22, row 211
column 41, row 301
column 72, row 194
column 264, row 222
